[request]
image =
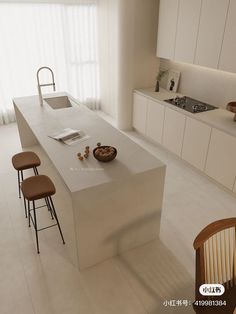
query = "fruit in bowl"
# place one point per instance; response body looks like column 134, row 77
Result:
column 232, row 107
column 104, row 153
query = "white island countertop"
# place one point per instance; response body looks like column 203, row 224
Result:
column 104, row 208
column 220, row 119
column 79, row 175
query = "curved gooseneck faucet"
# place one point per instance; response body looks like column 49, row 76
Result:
column 42, row 85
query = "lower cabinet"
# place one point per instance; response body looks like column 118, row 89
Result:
column 173, row 131
column 155, row 121
column 196, row 142
column 221, row 158
column 204, row 147
column 139, row 113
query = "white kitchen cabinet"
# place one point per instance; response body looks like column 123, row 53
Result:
column 221, row 164
column 139, row 113
column 211, row 32
column 155, row 121
column 196, row 142
column 168, row 14
column 228, row 52
column 173, row 131
column 187, row 30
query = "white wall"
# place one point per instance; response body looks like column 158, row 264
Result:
column 212, row 86
column 138, row 65
column 128, row 32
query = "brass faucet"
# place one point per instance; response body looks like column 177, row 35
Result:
column 42, row 85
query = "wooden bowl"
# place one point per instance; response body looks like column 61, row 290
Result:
column 104, row 158
column 232, row 107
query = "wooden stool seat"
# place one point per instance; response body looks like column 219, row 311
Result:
column 38, row 187
column 25, row 160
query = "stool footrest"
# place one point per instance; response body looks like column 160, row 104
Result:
column 47, row 227
column 33, row 219
column 38, row 207
column 33, row 222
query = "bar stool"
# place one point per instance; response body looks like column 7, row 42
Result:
column 37, row 188
column 21, row 162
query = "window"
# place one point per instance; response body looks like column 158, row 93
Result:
column 63, row 37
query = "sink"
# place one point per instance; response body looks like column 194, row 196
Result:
column 59, row 102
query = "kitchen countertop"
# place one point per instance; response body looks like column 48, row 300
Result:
column 219, row 118
column 79, row 175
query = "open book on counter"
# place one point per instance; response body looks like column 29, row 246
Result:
column 69, row 136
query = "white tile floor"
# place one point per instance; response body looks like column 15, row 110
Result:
column 136, row 282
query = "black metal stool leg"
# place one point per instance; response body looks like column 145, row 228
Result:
column 22, row 177
column 25, row 208
column 35, row 227
column 55, row 215
column 29, row 213
column 35, row 171
column 48, row 206
column 18, row 176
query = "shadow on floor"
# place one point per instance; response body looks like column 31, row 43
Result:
column 156, row 276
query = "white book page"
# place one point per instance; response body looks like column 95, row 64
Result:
column 69, row 136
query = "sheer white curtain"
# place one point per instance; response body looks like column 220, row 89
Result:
column 63, row 37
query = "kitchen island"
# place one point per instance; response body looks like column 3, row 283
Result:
column 112, row 207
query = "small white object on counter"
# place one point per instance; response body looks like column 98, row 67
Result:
column 69, row 136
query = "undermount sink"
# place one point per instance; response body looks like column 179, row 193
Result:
column 59, row 102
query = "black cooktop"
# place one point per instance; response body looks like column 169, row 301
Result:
column 190, row 104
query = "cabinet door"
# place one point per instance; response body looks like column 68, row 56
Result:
column 221, row 164
column 173, row 131
column 211, row 31
column 196, row 142
column 187, row 29
column 155, row 120
column 168, row 14
column 228, row 53
column 139, row 113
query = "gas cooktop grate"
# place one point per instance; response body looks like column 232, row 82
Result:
column 190, row 104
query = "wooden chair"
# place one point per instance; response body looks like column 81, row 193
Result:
column 216, row 263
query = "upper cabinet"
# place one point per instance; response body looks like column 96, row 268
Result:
column 211, row 32
column 200, row 32
column 168, row 14
column 187, row 30
column 228, row 53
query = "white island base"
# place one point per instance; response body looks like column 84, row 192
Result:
column 104, row 208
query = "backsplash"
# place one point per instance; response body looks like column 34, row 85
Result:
column 212, row 86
